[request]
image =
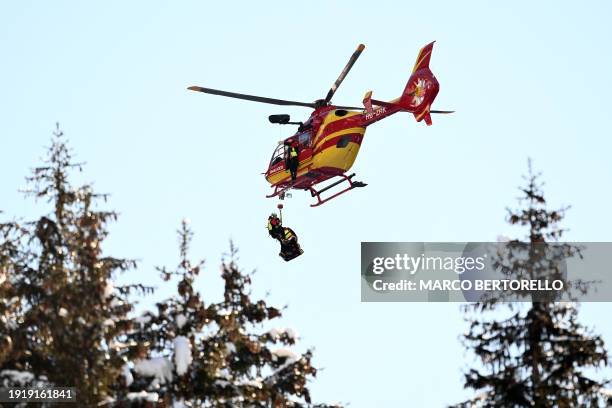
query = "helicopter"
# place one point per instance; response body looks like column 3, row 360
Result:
column 329, row 140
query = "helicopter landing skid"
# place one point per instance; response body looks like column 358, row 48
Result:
column 344, row 177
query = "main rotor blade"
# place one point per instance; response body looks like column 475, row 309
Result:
column 440, row 111
column 250, row 97
column 350, row 107
column 344, row 72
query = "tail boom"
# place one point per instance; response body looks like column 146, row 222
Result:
column 418, row 95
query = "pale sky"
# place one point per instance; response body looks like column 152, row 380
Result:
column 527, row 79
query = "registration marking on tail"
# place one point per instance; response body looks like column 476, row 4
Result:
column 376, row 113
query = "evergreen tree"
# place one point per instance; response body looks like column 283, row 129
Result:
column 535, row 356
column 60, row 316
column 64, row 323
column 11, row 261
column 192, row 354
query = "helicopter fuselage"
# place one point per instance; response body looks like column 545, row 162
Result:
column 328, row 145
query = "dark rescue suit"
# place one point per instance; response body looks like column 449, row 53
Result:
column 293, row 161
column 284, row 235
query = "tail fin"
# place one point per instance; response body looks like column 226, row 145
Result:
column 423, row 58
column 419, row 93
column 422, row 87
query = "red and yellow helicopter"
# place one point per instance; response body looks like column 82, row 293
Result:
column 331, row 137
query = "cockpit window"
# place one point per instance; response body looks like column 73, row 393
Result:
column 279, row 155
